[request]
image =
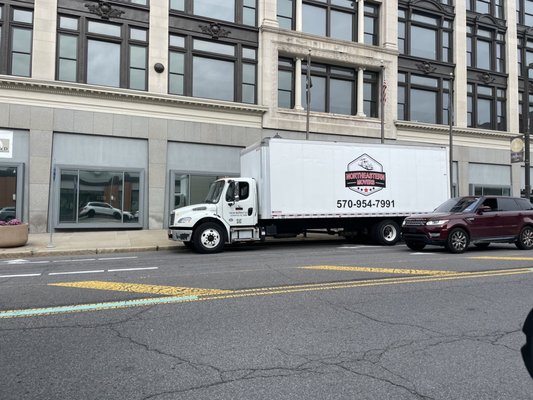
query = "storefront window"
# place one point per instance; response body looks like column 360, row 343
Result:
column 92, row 197
column 8, row 193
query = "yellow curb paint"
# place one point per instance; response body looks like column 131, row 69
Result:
column 380, row 270
column 502, row 258
column 139, row 288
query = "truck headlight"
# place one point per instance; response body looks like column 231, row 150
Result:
column 439, row 222
column 184, row 220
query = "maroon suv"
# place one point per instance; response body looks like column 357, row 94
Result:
column 474, row 219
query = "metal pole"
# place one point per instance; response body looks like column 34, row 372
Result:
column 382, row 102
column 527, row 127
column 51, row 217
column 308, row 94
column 450, row 120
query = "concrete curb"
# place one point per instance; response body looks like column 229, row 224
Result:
column 65, row 252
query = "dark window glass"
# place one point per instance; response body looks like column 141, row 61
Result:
column 314, row 20
column 103, row 63
column 285, row 12
column 21, row 52
column 341, row 94
column 423, row 42
column 68, row 58
column 224, row 10
column 176, row 73
column 213, row 79
column 341, row 25
column 237, row 11
column 486, row 49
column 486, row 107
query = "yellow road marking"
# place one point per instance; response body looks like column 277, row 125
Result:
column 381, row 270
column 254, row 292
column 139, row 288
column 502, row 258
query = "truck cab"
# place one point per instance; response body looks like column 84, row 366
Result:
column 228, row 215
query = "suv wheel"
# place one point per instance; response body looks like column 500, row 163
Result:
column 525, row 239
column 416, row 246
column 457, row 241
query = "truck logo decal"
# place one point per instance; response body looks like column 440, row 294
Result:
column 365, row 176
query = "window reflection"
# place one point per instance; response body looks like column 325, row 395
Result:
column 103, row 66
column 213, row 79
column 99, row 197
column 191, row 189
column 224, row 10
column 8, row 193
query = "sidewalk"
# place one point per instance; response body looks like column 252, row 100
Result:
column 65, row 243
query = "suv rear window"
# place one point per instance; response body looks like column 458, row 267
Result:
column 524, row 204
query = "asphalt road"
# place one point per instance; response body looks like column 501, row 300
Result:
column 316, row 320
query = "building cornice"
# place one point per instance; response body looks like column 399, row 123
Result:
column 125, row 95
column 457, row 131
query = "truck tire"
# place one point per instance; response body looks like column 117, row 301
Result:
column 208, row 238
column 386, row 232
column 525, row 239
column 457, row 241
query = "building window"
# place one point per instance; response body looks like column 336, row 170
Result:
column 486, row 107
column 102, row 53
column 492, row 7
column 16, row 36
column 524, row 12
column 485, row 48
column 331, row 18
column 423, row 98
column 99, row 198
column 425, row 35
column 237, row 11
column 332, row 88
column 212, row 69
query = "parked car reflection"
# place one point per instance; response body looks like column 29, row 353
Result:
column 7, row 213
column 94, row 208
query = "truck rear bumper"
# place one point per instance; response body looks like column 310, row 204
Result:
column 180, row 235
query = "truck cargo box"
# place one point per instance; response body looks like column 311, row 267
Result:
column 316, row 179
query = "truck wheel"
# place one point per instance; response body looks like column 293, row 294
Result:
column 525, row 239
column 386, row 233
column 458, row 241
column 414, row 245
column 208, row 238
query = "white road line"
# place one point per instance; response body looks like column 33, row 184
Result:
column 115, row 258
column 77, row 272
column 77, row 260
column 19, row 275
column 131, row 269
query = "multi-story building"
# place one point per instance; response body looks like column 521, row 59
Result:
column 114, row 112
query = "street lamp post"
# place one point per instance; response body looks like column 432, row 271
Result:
column 527, row 126
column 383, row 93
column 308, row 94
column 450, row 121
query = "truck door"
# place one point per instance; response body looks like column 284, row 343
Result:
column 240, row 207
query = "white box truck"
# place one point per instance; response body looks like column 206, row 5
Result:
column 289, row 187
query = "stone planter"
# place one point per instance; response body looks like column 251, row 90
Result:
column 13, row 235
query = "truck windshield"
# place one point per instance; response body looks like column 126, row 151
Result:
column 458, row 204
column 214, row 192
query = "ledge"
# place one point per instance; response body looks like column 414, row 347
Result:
column 457, row 131
column 124, row 95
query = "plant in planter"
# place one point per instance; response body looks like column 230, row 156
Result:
column 13, row 233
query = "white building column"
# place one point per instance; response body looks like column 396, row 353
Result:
column 298, row 85
column 460, row 89
column 361, row 21
column 44, row 40
column 360, row 92
column 511, row 48
column 158, row 50
column 298, row 22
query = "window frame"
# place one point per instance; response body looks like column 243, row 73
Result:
column 7, row 26
column 442, row 90
column 443, row 27
column 498, row 101
column 495, row 7
column 84, row 36
column 239, row 61
column 238, row 17
column 497, row 47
